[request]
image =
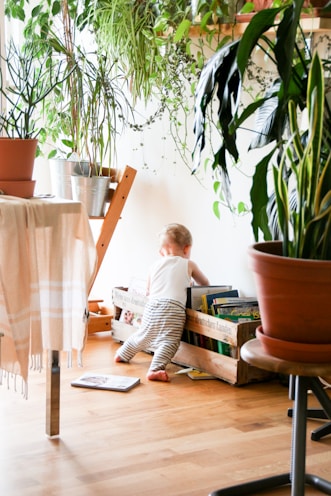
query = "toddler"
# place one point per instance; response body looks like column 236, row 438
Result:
column 164, row 314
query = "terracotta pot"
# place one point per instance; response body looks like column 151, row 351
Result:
column 262, row 4
column 317, row 3
column 17, row 158
column 23, row 189
column 293, row 297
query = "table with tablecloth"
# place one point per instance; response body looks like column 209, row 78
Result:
column 47, row 264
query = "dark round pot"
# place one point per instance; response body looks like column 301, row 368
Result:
column 293, row 297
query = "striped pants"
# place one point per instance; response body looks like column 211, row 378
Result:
column 161, row 329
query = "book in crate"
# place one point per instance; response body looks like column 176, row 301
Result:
column 195, row 294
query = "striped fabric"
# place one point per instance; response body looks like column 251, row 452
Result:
column 47, row 262
column 161, row 330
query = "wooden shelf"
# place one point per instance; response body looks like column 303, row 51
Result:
column 311, row 23
column 113, row 214
column 100, row 316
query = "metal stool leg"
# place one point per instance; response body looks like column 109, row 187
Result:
column 253, row 487
column 317, row 413
column 298, row 462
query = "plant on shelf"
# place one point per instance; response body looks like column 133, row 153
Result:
column 148, row 38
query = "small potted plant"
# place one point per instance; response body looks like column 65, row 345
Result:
column 78, row 117
column 301, row 171
column 26, row 79
column 103, row 108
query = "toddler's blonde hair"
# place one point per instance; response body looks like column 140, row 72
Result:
column 177, row 234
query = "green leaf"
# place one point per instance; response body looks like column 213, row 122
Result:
column 182, row 30
column 242, row 208
column 52, row 154
column 68, row 143
column 56, row 8
column 259, row 197
column 247, row 8
column 216, row 209
column 285, row 45
column 36, row 11
column 259, row 24
column 216, row 186
column 205, row 21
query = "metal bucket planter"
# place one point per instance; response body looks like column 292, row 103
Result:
column 61, row 171
column 92, row 191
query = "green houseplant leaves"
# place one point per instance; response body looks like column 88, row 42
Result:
column 222, row 79
column 306, row 228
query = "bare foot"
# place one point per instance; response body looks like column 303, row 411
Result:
column 118, row 359
column 158, row 375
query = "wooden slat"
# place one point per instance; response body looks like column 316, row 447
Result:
column 114, row 213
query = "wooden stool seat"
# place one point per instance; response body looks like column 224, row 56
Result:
column 304, row 378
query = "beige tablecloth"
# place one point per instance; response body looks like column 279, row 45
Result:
column 47, row 262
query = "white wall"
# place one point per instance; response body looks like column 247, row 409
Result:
column 219, row 246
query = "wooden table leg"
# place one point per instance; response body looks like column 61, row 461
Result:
column 53, row 394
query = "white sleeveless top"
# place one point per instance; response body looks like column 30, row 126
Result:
column 169, row 279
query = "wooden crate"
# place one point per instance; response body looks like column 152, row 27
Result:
column 100, row 317
column 231, row 369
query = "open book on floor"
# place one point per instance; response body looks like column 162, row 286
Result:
column 106, row 381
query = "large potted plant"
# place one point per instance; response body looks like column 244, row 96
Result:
column 300, row 164
column 293, row 277
column 278, row 35
column 26, row 79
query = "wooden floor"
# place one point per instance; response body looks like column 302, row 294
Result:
column 183, row 438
